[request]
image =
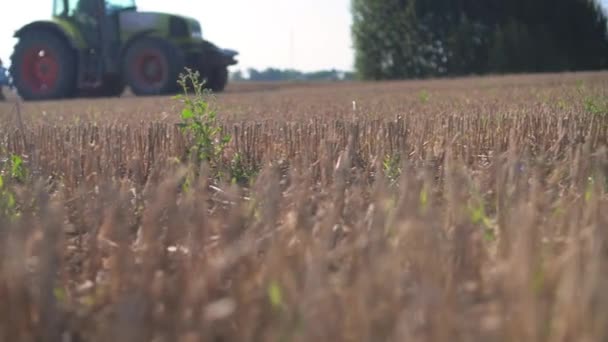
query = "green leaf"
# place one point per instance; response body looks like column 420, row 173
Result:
column 589, row 190
column 59, row 293
column 476, row 216
column 489, row 235
column 275, row 294
column 17, row 169
column 424, row 96
column 187, row 114
column 538, row 280
column 10, row 200
column 478, row 213
column 1, row 182
column 424, row 197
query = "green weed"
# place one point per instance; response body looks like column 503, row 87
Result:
column 240, row 172
column 392, row 169
column 596, row 105
column 8, row 205
column 275, row 295
column 18, row 171
column 199, row 118
column 424, row 96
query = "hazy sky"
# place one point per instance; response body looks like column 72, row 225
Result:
column 303, row 34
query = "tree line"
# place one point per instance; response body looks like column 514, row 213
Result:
column 275, row 74
column 396, row 39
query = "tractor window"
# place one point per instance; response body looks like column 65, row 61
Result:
column 59, row 9
column 69, row 8
column 64, row 8
column 120, row 5
column 85, row 7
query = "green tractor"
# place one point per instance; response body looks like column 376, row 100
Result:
column 98, row 47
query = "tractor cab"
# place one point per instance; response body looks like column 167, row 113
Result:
column 73, row 8
column 98, row 47
column 92, row 16
column 98, row 25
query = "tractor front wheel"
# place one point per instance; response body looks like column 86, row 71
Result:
column 152, row 67
column 43, row 67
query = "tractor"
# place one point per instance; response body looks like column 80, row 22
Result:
column 98, row 47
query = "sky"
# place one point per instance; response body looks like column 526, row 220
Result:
column 306, row 35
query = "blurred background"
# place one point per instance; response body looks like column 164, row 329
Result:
column 381, row 39
column 305, row 35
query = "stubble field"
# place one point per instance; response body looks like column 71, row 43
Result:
column 445, row 210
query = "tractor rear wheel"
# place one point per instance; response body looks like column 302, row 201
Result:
column 217, row 79
column 43, row 67
column 152, row 67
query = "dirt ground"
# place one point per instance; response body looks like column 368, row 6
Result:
column 300, row 101
column 470, row 209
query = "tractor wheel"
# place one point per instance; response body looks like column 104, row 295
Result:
column 43, row 67
column 152, row 67
column 217, row 79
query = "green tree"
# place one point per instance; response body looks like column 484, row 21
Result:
column 386, row 39
column 419, row 38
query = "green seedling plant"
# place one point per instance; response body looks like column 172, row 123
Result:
column 18, row 172
column 8, row 205
column 275, row 295
column 561, row 104
column 240, row 172
column 199, row 119
column 13, row 171
column 424, row 96
column 477, row 214
column 424, row 198
column 392, row 170
column 580, row 85
column 596, row 105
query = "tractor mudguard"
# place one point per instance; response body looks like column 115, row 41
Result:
column 62, row 28
column 218, row 56
column 133, row 38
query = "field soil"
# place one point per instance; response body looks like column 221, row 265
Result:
column 468, row 209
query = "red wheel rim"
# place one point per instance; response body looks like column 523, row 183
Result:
column 150, row 68
column 40, row 69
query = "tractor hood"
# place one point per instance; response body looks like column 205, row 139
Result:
column 169, row 25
